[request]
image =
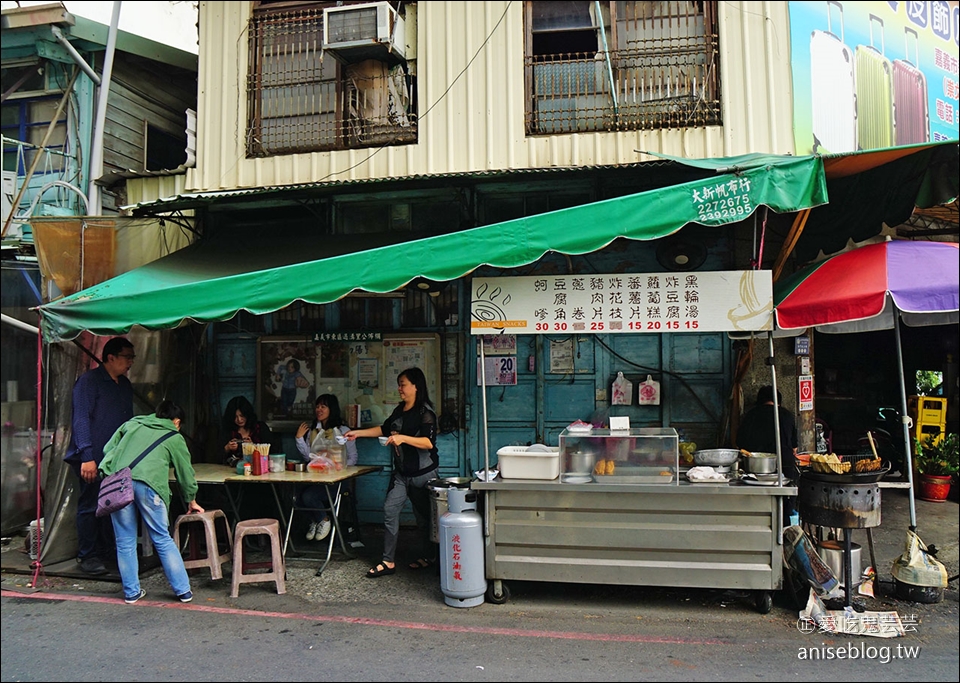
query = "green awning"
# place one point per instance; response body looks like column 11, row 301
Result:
column 867, row 189
column 214, row 279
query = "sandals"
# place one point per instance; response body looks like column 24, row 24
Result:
column 422, row 563
column 380, row 570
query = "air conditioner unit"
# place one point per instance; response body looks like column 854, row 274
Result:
column 355, row 33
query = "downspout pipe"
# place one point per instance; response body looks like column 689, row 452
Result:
column 77, row 57
column 606, row 52
column 96, row 153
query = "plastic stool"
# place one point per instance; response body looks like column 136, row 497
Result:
column 214, row 559
column 252, row 527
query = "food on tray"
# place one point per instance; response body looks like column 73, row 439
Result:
column 867, row 465
column 829, row 463
column 604, row 467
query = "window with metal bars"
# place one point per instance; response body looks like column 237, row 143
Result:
column 32, row 91
column 624, row 65
column 301, row 99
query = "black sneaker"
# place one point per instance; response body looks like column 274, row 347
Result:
column 92, row 565
column 186, row 597
column 136, row 597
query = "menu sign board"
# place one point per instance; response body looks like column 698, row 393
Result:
column 624, row 303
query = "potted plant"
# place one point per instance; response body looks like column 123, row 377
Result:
column 935, row 463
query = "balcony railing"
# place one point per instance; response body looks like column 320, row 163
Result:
column 637, row 89
column 51, row 189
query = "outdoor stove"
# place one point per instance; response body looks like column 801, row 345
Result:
column 844, row 501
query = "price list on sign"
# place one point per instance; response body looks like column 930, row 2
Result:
column 624, row 303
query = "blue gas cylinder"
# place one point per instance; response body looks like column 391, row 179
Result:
column 462, row 571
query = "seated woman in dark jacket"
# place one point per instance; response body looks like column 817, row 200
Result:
column 240, row 424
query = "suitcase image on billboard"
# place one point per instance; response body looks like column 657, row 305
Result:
column 910, row 106
column 832, row 94
column 874, row 77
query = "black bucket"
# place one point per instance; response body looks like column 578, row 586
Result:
column 924, row 594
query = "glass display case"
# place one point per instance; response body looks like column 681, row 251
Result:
column 644, row 455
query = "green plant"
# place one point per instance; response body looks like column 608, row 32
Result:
column 928, row 380
column 941, row 459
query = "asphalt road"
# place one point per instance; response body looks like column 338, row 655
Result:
column 341, row 626
column 664, row 636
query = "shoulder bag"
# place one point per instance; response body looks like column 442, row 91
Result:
column 116, row 491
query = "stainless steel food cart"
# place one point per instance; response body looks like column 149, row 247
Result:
column 687, row 535
column 643, row 527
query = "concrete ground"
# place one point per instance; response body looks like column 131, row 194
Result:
column 343, row 587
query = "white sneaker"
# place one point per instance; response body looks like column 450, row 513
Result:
column 323, row 530
column 312, row 531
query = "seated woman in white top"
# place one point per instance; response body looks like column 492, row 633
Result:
column 315, row 438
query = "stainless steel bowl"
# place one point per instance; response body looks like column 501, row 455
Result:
column 715, row 457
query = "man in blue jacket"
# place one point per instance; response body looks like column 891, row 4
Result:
column 102, row 401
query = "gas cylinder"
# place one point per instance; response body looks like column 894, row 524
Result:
column 462, row 571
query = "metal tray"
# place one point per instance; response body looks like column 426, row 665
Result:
column 848, row 478
column 633, row 479
column 632, row 474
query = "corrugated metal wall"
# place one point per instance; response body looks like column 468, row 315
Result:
column 472, row 112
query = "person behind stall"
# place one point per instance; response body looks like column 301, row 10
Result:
column 102, row 401
column 411, row 432
column 758, row 434
column 151, row 495
column 314, row 438
column 240, row 424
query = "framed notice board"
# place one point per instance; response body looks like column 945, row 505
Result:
column 359, row 368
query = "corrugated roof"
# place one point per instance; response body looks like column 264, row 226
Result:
column 198, row 199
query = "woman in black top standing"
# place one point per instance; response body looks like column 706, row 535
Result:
column 411, row 432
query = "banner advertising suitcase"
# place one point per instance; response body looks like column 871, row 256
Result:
column 911, row 107
column 833, row 97
column 874, row 80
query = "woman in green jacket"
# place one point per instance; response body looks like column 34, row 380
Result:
column 151, row 495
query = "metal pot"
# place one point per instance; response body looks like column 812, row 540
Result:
column 580, row 462
column 760, row 463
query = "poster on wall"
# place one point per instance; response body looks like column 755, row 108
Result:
column 716, row 301
column 561, row 355
column 287, row 383
column 499, row 344
column 359, row 368
column 805, row 389
column 868, row 75
column 500, row 371
column 398, row 355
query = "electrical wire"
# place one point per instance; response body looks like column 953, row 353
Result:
column 678, row 377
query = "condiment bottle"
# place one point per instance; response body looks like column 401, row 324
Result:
column 257, row 464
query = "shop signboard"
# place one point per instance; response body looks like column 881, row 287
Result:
column 714, row 301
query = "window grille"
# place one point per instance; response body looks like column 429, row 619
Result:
column 300, row 99
column 654, row 65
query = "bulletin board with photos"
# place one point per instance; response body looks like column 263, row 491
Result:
column 359, row 368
